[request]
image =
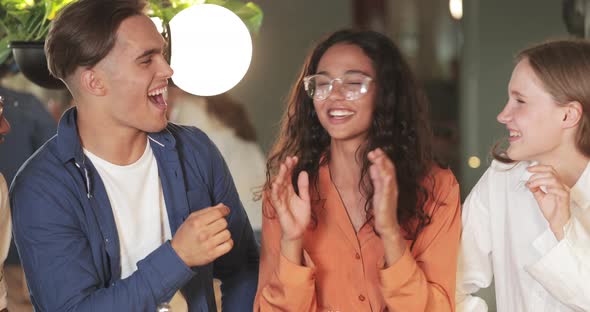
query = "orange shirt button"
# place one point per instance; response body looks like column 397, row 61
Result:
column 361, row 298
column 357, row 256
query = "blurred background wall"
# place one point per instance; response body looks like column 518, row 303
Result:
column 288, row 31
column 494, row 32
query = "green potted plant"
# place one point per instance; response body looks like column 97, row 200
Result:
column 24, row 25
column 23, row 28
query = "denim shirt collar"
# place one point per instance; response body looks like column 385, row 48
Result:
column 70, row 147
column 68, row 141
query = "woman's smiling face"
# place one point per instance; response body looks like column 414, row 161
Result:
column 346, row 119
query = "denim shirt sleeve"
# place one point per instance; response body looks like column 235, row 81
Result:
column 238, row 269
column 60, row 267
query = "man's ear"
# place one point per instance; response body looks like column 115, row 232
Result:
column 573, row 113
column 91, row 82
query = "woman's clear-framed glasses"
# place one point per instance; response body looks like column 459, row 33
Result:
column 352, row 86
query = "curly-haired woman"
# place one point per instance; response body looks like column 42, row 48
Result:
column 357, row 217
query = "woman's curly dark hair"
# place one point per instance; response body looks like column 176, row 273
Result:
column 399, row 126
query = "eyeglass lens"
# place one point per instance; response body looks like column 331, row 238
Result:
column 352, row 86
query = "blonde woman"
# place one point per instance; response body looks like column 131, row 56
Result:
column 527, row 221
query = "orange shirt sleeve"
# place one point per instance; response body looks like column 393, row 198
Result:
column 282, row 285
column 424, row 279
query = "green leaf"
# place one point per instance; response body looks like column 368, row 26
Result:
column 29, row 20
column 252, row 16
column 54, row 6
column 248, row 12
column 5, row 51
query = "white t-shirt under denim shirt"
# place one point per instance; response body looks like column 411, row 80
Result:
column 136, row 197
column 506, row 237
column 5, row 231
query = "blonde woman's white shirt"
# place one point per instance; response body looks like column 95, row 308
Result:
column 506, row 237
column 5, row 230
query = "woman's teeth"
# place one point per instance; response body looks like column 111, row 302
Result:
column 340, row 113
column 515, row 134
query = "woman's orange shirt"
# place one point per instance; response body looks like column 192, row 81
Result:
column 344, row 271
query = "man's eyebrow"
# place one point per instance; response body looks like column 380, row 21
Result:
column 149, row 52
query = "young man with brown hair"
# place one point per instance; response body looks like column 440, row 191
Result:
column 122, row 211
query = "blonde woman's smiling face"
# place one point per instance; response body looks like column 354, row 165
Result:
column 532, row 117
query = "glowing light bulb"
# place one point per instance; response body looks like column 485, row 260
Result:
column 456, row 8
column 474, row 162
column 211, row 49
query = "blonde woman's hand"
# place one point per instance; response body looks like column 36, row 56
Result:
column 552, row 195
column 293, row 211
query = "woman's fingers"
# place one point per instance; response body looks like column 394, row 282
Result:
column 281, row 187
column 543, row 171
column 541, row 168
column 374, row 172
column 558, row 191
column 382, row 170
column 303, row 184
column 545, row 181
column 541, row 175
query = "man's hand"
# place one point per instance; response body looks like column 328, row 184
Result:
column 203, row 237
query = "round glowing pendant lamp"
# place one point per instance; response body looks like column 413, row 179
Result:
column 211, row 49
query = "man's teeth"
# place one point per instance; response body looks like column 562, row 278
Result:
column 515, row 134
column 340, row 113
column 157, row 91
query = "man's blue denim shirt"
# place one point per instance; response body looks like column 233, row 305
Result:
column 67, row 239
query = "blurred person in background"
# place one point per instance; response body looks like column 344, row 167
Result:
column 32, row 126
column 5, row 220
column 226, row 122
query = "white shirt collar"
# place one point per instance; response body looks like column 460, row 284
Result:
column 579, row 192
